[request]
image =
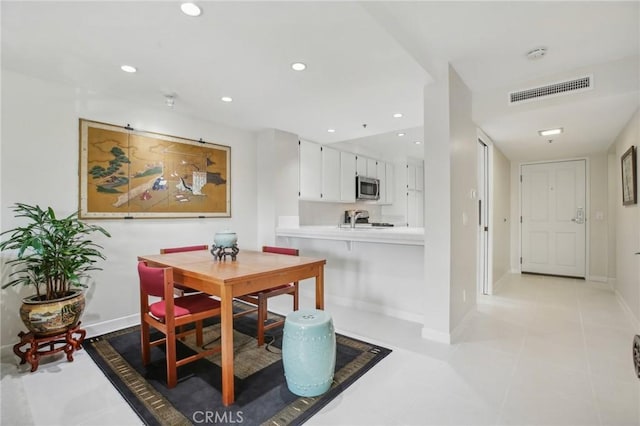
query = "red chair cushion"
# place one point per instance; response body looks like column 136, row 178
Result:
column 185, row 305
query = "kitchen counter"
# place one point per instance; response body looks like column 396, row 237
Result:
column 368, row 268
column 361, row 233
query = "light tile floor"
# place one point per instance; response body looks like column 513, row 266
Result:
column 542, row 351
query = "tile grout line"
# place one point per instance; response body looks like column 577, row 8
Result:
column 589, row 372
column 511, row 377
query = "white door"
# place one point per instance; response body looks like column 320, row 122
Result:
column 483, row 217
column 553, row 218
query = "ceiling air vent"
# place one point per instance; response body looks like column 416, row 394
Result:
column 555, row 89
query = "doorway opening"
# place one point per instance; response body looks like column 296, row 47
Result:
column 484, row 284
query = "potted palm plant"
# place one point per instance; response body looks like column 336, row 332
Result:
column 55, row 256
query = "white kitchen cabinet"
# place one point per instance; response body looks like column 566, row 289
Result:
column 331, row 171
column 347, row 177
column 389, row 183
column 361, row 165
column 419, row 178
column 415, row 177
column 372, row 168
column 415, row 195
column 411, row 177
column 310, row 155
column 415, row 209
column 381, row 172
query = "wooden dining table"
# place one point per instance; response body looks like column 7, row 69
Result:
column 252, row 271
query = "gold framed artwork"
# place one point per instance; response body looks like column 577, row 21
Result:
column 127, row 173
column 629, row 179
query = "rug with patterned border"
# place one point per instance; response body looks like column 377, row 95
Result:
column 262, row 396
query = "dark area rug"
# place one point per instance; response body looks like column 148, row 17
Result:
column 262, row 396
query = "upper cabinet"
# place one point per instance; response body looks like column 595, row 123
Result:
column 347, row 177
column 367, row 167
column 310, row 155
column 330, row 174
column 327, row 174
column 415, row 177
column 415, row 195
column 361, row 165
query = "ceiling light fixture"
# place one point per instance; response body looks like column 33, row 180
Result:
column 536, row 53
column 226, row 99
column 417, row 142
column 397, row 115
column 128, row 68
column 298, row 66
column 331, row 130
column 190, row 9
column 550, row 132
column 401, row 134
column 169, row 100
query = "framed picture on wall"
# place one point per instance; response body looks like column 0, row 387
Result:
column 629, row 179
column 127, row 173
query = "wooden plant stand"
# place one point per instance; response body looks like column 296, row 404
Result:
column 38, row 345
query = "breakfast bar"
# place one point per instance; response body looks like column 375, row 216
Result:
column 380, row 270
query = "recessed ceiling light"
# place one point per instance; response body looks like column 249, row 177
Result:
column 401, row 134
column 537, row 53
column 417, row 142
column 397, row 115
column 128, row 68
column 298, row 66
column 331, row 130
column 550, row 132
column 190, row 9
column 226, row 99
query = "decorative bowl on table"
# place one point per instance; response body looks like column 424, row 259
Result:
column 225, row 243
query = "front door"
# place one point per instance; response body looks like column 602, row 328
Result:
column 553, row 218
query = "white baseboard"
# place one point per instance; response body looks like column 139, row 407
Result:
column 6, row 353
column 500, row 282
column 603, row 285
column 97, row 329
column 462, row 325
column 104, row 327
column 627, row 310
column 375, row 308
column 436, row 336
column 598, row 279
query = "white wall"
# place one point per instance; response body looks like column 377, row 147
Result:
column 627, row 283
column 501, row 214
column 40, row 166
column 464, row 207
column 277, row 181
column 598, row 217
column 437, row 202
column 612, row 187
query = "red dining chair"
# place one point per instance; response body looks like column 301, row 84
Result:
column 181, row 290
column 169, row 313
column 260, row 298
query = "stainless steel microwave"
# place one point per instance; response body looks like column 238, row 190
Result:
column 367, row 188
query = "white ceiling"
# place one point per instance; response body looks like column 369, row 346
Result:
column 366, row 61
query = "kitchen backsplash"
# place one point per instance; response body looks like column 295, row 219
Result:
column 319, row 214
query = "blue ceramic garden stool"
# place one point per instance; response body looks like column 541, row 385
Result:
column 309, row 352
